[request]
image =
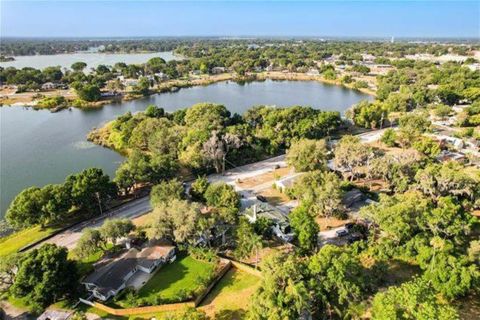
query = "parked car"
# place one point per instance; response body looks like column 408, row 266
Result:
column 354, row 237
column 261, row 198
column 349, row 225
column 342, row 232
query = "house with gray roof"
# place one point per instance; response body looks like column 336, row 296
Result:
column 109, row 280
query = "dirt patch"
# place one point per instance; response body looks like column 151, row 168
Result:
column 326, row 224
column 264, row 178
column 274, row 196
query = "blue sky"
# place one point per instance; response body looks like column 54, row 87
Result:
column 237, row 18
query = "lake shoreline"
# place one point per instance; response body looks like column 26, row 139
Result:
column 175, row 85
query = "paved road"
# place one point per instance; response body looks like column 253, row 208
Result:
column 133, row 209
column 141, row 206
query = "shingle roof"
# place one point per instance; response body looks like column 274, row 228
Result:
column 112, row 275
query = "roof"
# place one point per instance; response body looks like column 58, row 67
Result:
column 55, row 315
column 352, row 196
column 112, row 275
column 148, row 256
column 267, row 211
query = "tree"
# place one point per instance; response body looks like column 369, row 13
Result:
column 307, row 155
column 25, row 210
column 39, row 206
column 389, row 137
column 412, row 126
column 225, row 199
column 199, row 187
column 428, row 146
column 217, row 148
column 351, row 154
column 321, row 192
column 305, row 227
column 114, row 229
column 78, row 66
column 176, row 220
column 282, row 293
column 396, row 216
column 89, row 243
column 368, row 114
column 449, row 178
column 247, row 241
column 45, row 275
column 166, row 191
column 206, row 116
column 87, row 92
column 143, row 86
column 153, row 111
column 338, row 278
column 90, row 188
column 415, row 299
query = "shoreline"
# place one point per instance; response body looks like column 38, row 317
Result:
column 19, row 100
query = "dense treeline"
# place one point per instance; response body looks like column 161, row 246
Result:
column 205, row 137
column 28, row 47
column 13, row 46
column 87, row 192
column 421, row 85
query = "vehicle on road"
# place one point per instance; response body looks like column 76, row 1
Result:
column 261, row 198
column 342, row 232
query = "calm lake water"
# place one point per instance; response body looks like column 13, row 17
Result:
column 39, row 147
column 91, row 59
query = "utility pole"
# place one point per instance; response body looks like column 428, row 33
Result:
column 99, row 203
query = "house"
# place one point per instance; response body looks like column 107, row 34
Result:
column 281, row 226
column 49, row 86
column 313, row 72
column 161, row 76
column 130, row 82
column 109, row 280
column 446, row 155
column 218, row 70
column 150, row 258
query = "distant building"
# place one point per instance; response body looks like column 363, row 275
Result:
column 49, row 86
column 109, row 280
column 313, row 72
column 218, row 70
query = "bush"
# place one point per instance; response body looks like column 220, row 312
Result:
column 203, row 254
column 389, row 137
column 52, row 102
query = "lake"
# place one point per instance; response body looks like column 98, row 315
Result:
column 40, row 147
column 92, row 59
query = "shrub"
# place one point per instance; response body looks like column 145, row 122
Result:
column 203, row 254
column 389, row 137
column 52, row 102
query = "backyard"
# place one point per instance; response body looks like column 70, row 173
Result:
column 173, row 282
column 229, row 298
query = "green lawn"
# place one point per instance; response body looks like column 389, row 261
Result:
column 16, row 241
column 173, row 278
column 230, row 297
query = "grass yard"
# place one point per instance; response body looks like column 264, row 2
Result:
column 14, row 242
column 230, row 297
column 264, row 178
column 274, row 197
column 175, row 278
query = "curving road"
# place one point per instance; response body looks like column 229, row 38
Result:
column 131, row 210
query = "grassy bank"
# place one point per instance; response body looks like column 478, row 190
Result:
column 14, row 242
